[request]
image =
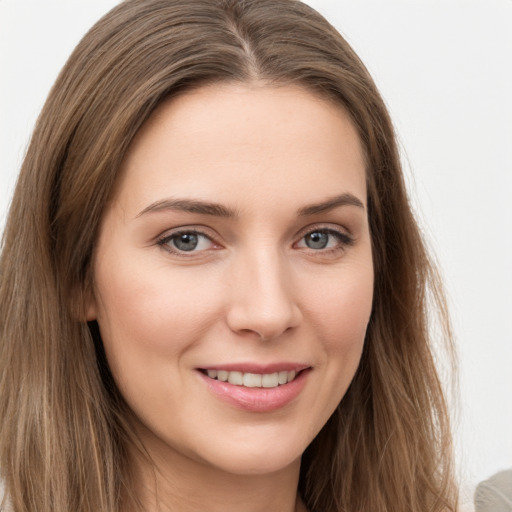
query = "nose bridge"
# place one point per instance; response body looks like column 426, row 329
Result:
column 263, row 299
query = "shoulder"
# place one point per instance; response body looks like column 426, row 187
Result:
column 495, row 494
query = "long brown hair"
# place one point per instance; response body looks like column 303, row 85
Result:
column 63, row 432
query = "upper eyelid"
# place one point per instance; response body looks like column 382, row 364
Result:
column 334, row 228
column 198, row 230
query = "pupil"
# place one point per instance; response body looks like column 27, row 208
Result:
column 317, row 240
column 186, row 242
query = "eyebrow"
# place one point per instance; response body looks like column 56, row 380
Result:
column 218, row 210
column 190, row 206
column 334, row 202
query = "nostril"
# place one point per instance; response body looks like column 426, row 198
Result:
column 264, row 324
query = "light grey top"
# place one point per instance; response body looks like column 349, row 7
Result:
column 495, row 494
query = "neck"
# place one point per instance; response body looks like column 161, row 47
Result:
column 167, row 480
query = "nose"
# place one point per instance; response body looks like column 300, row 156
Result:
column 262, row 299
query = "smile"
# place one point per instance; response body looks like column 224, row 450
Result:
column 257, row 389
column 253, row 380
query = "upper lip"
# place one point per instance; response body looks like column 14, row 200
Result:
column 257, row 368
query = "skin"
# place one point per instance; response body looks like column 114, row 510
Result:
column 254, row 290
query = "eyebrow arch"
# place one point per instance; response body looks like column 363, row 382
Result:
column 190, row 206
column 330, row 204
column 218, row 210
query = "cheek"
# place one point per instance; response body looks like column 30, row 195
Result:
column 339, row 313
column 149, row 321
column 148, row 315
column 342, row 309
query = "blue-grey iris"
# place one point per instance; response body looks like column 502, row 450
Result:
column 186, row 241
column 317, row 240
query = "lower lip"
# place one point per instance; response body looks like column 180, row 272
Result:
column 257, row 399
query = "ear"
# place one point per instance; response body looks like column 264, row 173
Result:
column 84, row 304
column 90, row 308
column 89, row 302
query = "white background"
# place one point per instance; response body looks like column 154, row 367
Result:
column 444, row 68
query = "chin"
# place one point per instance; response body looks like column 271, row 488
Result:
column 258, row 463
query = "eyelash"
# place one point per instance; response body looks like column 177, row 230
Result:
column 344, row 240
column 165, row 240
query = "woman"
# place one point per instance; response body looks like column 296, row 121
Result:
column 214, row 293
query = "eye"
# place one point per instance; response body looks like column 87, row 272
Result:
column 317, row 240
column 325, row 240
column 186, row 242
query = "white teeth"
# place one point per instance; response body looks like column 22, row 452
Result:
column 236, row 378
column 222, row 375
column 253, row 380
column 270, row 380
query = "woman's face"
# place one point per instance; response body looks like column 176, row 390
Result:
column 233, row 275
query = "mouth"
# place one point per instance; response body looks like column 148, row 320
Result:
column 253, row 380
column 255, row 388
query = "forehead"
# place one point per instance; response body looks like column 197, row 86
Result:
column 238, row 139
